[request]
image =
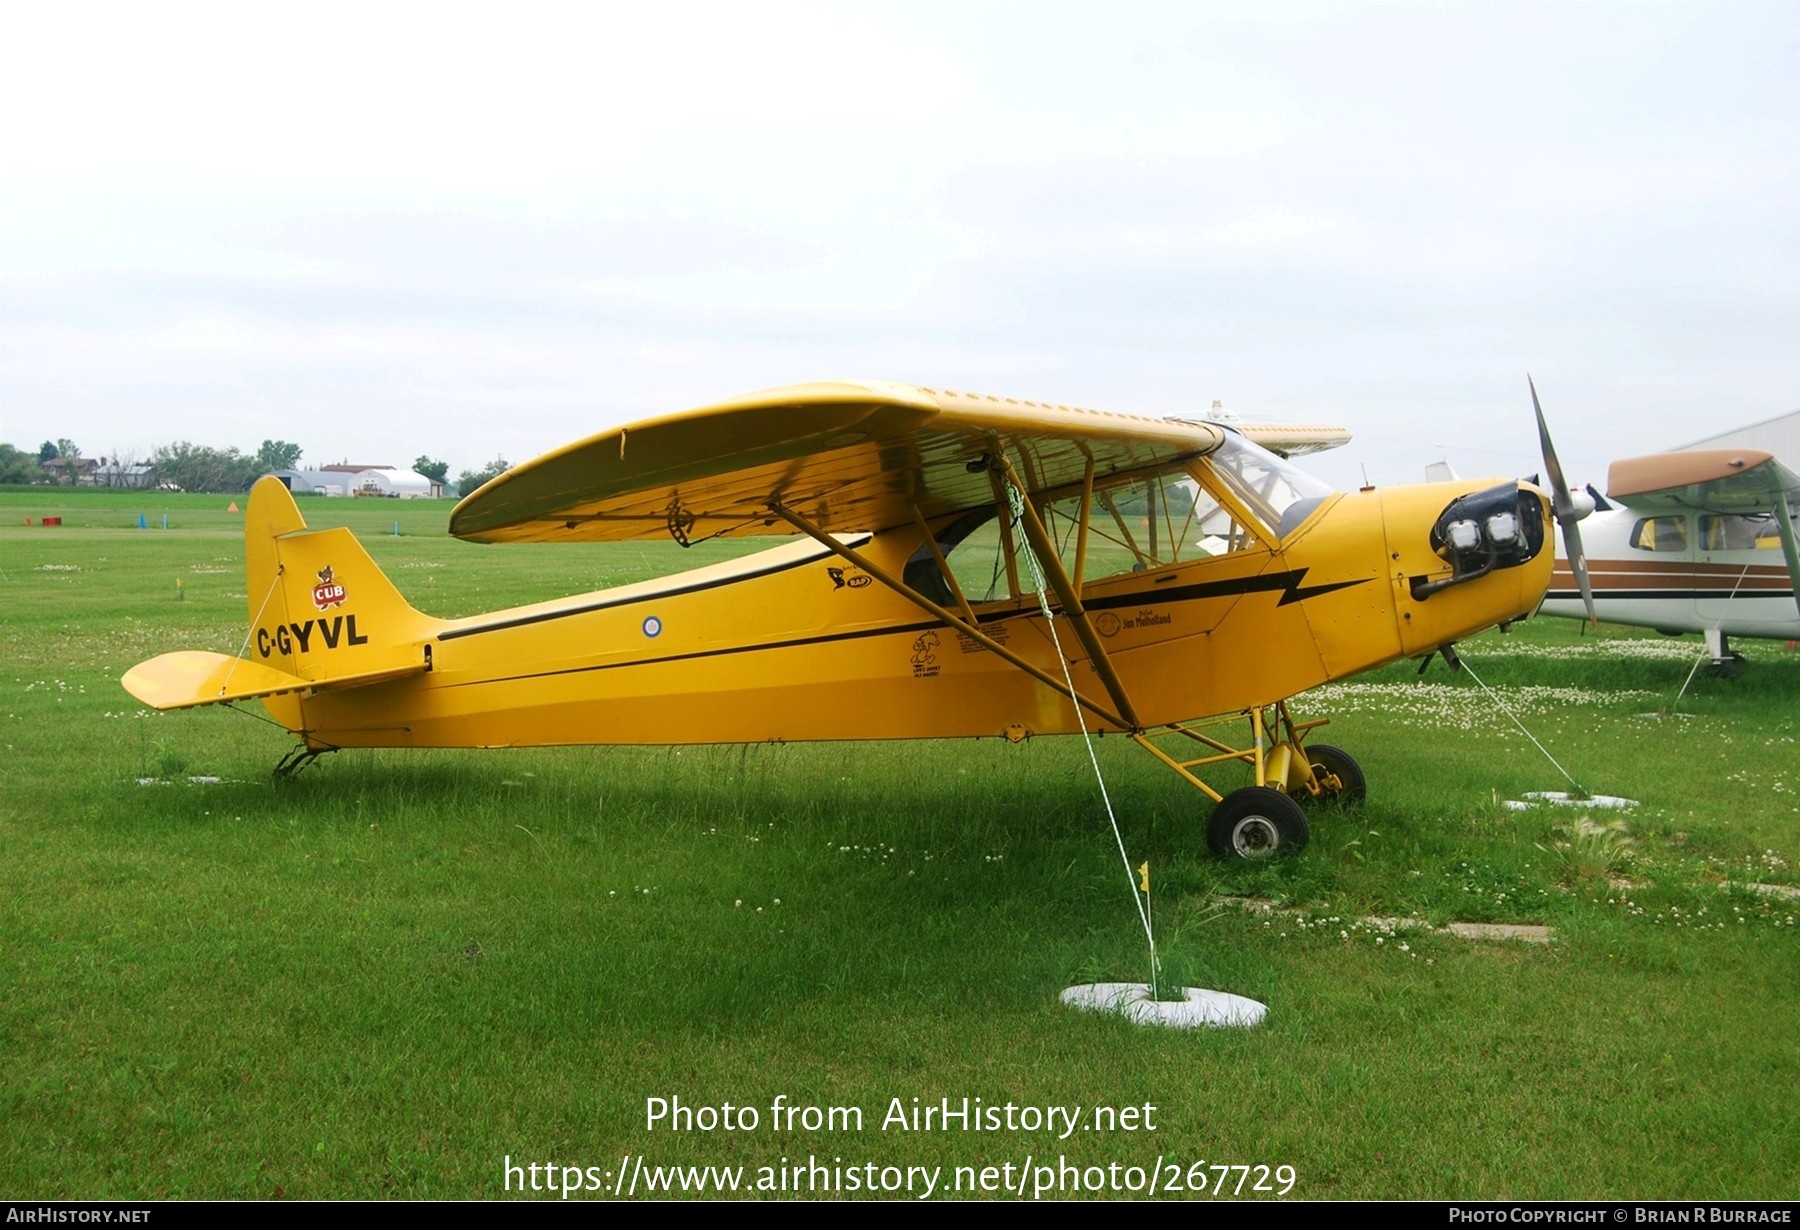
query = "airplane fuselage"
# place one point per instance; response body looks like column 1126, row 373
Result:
column 1679, row 572
column 797, row 643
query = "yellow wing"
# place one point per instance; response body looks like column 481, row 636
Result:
column 844, row 455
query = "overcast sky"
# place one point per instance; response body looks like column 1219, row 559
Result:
column 470, row 230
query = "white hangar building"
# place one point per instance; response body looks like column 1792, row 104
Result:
column 1779, row 435
column 348, row 479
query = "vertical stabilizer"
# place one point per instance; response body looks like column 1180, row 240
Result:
column 320, row 609
column 269, row 513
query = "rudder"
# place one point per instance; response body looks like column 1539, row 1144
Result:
column 320, row 607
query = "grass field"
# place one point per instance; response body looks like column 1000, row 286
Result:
column 392, row 974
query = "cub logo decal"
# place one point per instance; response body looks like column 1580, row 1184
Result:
column 328, row 592
column 924, row 662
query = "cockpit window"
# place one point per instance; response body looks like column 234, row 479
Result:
column 973, row 551
column 1183, row 512
column 1145, row 522
column 1277, row 492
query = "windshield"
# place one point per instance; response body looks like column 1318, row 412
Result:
column 1278, row 493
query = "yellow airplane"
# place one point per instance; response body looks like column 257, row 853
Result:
column 1192, row 574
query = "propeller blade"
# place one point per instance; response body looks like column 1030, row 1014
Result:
column 1578, row 565
column 1561, row 502
column 1563, row 505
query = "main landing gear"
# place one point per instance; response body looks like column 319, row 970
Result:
column 1266, row 819
column 1256, row 822
column 1724, row 657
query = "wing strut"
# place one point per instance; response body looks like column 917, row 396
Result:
column 966, row 627
column 943, row 568
column 1081, row 539
column 1784, row 521
column 1039, row 538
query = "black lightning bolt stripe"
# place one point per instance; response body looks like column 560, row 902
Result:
column 1286, row 582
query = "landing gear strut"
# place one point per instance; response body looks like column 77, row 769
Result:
column 1338, row 776
column 1265, row 819
column 1723, row 655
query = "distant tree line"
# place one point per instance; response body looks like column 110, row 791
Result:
column 469, row 480
column 19, row 467
column 197, row 467
column 194, row 467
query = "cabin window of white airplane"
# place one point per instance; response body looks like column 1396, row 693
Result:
column 1732, row 532
column 1660, row 534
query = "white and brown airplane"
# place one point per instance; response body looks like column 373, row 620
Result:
column 1695, row 541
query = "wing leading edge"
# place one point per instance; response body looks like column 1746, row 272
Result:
column 844, row 455
column 1720, row 480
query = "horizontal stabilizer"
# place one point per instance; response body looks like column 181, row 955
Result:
column 193, row 677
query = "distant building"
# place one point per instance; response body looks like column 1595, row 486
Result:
column 99, row 472
column 312, row 482
column 1779, row 435
column 113, row 474
column 351, row 480
column 60, row 468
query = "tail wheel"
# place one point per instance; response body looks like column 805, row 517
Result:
column 1256, row 823
column 1328, row 762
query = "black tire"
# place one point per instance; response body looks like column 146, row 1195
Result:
column 1326, row 759
column 1256, row 823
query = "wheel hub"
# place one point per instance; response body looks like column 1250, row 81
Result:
column 1255, row 837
